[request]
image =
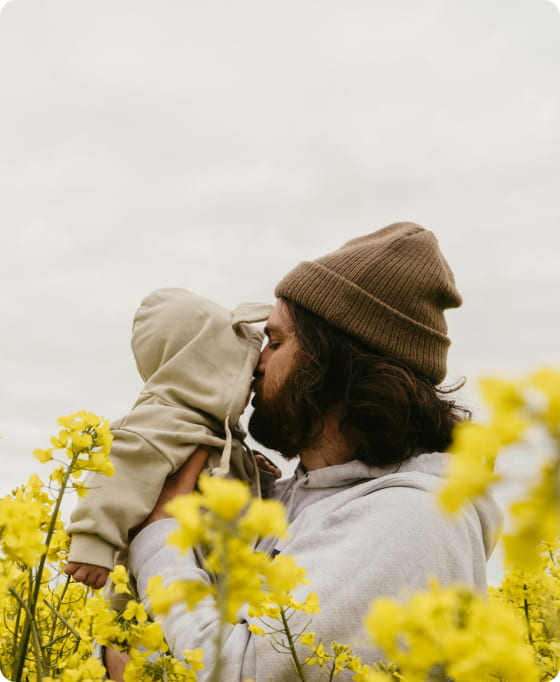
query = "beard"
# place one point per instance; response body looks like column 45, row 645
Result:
column 282, row 422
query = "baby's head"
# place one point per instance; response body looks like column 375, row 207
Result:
column 166, row 321
column 192, row 351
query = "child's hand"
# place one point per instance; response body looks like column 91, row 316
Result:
column 88, row 574
column 265, row 464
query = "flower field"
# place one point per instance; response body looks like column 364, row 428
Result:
column 51, row 625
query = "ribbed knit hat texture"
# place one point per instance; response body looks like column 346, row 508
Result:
column 389, row 289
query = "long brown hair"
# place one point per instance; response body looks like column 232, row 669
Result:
column 389, row 410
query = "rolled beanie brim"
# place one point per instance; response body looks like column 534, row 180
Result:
column 364, row 317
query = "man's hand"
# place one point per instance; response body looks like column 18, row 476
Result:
column 182, row 482
column 115, row 663
column 88, row 574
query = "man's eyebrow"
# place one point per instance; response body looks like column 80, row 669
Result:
column 271, row 329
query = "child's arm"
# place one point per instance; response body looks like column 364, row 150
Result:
column 88, row 574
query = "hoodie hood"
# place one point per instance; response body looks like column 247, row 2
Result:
column 193, row 353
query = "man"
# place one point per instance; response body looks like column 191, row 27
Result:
column 348, row 382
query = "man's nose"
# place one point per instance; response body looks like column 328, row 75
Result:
column 262, row 361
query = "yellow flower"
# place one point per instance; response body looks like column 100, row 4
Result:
column 224, row 521
column 162, row 598
column 311, row 604
column 283, row 575
column 535, row 598
column 501, row 395
column 536, row 519
column 92, row 419
column 135, row 610
column 66, row 422
column 43, row 455
column 57, row 475
column 120, row 579
column 35, row 484
column 193, row 591
column 307, row 638
column 194, row 658
column 80, row 488
column 263, row 518
column 225, row 497
column 368, row 674
column 471, row 467
column 59, row 545
column 186, row 509
column 321, row 656
column 453, row 631
column 476, row 439
column 23, row 518
column 256, row 630
column 508, row 427
column 147, row 635
column 468, row 477
column 61, row 441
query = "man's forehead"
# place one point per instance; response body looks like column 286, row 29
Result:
column 279, row 320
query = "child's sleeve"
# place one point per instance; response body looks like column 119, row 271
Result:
column 100, row 523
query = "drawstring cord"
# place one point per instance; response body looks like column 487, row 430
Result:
column 223, row 469
column 225, row 459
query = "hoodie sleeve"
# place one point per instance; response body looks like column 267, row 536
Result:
column 101, row 521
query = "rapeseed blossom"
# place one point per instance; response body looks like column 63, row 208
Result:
column 516, row 406
column 142, row 667
column 225, row 522
column 24, row 519
column 534, row 597
column 47, row 630
column 454, row 632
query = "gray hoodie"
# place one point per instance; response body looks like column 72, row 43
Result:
column 360, row 532
column 197, row 360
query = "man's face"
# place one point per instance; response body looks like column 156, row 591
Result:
column 272, row 420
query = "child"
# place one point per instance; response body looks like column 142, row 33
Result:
column 197, row 360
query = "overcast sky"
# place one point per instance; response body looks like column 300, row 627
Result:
column 214, row 145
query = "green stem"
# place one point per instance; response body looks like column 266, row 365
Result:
column 297, row 664
column 30, row 609
column 222, row 590
column 53, row 626
column 62, row 619
column 36, row 644
column 16, row 629
column 527, row 619
column 52, row 642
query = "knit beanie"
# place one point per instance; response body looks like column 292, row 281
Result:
column 389, row 289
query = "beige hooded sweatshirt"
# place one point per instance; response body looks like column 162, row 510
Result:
column 197, row 360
